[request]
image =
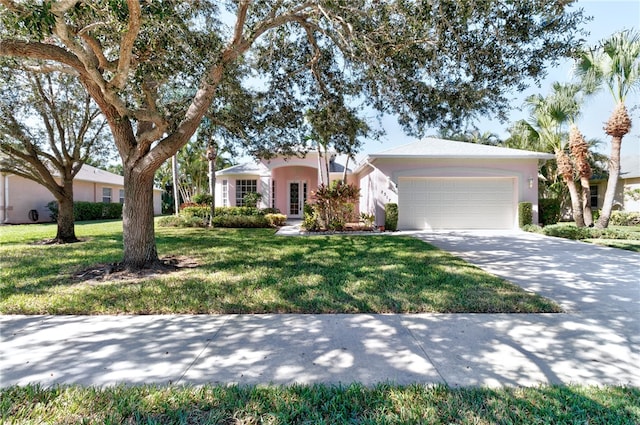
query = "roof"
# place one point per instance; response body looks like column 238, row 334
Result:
column 440, row 148
column 90, row 173
column 245, row 168
column 630, row 166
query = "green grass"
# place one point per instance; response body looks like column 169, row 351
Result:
column 250, row 271
column 321, row 404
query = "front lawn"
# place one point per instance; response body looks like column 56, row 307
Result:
column 250, row 271
column 321, row 404
column 623, row 237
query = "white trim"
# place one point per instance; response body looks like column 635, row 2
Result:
column 302, row 185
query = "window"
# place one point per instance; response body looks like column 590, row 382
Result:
column 242, row 188
column 273, row 194
column 225, row 193
column 594, row 196
column 122, row 196
column 106, row 195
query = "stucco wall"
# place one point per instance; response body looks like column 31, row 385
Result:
column 631, row 204
column 288, row 174
column 379, row 186
column 24, row 195
column 21, row 196
column 262, row 186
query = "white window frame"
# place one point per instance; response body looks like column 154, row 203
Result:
column 107, row 193
column 225, row 193
column 121, row 193
column 244, row 186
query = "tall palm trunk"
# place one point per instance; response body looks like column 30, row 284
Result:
column 618, row 125
column 565, row 168
column 580, row 153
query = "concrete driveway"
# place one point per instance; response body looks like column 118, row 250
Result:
column 583, row 278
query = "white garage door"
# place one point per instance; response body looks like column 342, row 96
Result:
column 456, row 203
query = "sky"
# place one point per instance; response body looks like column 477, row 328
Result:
column 609, row 16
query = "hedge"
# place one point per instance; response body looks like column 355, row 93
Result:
column 391, row 216
column 85, row 211
column 549, row 211
column 525, row 214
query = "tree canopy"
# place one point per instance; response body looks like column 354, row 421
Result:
column 49, row 127
column 428, row 62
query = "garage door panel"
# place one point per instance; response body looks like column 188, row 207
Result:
column 456, row 203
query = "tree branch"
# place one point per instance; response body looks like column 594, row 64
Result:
column 126, row 44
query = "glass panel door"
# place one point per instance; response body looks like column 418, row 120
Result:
column 294, row 199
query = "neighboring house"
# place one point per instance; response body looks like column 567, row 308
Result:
column 19, row 197
column 627, row 197
column 437, row 184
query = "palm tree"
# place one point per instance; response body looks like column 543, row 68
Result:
column 615, row 63
column 580, row 153
column 549, row 118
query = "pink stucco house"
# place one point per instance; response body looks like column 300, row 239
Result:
column 19, row 196
column 437, row 184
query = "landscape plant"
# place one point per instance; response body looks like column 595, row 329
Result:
column 391, row 216
column 334, row 205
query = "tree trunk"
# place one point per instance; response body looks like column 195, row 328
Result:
column 585, row 197
column 66, row 232
column 612, row 183
column 137, row 215
column 576, row 202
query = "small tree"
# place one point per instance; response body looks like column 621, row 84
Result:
column 49, row 128
column 333, row 206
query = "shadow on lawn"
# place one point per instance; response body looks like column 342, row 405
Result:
column 251, row 271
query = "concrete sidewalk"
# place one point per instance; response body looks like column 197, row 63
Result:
column 452, row 349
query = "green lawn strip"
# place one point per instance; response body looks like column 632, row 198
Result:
column 320, row 404
column 629, row 245
column 253, row 271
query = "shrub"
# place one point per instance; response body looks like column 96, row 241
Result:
column 549, row 211
column 532, row 228
column 240, row 221
column 239, row 211
column 202, row 199
column 525, row 213
column 112, row 210
column 252, row 199
column 53, row 210
column 567, row 231
column 266, row 211
column 181, row 221
column 624, row 218
column 200, row 211
column 276, row 220
column 391, row 216
column 333, row 206
column 368, row 219
column 86, row 211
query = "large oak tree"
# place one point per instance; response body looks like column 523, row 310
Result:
column 429, row 62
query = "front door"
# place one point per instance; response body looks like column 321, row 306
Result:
column 297, row 198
